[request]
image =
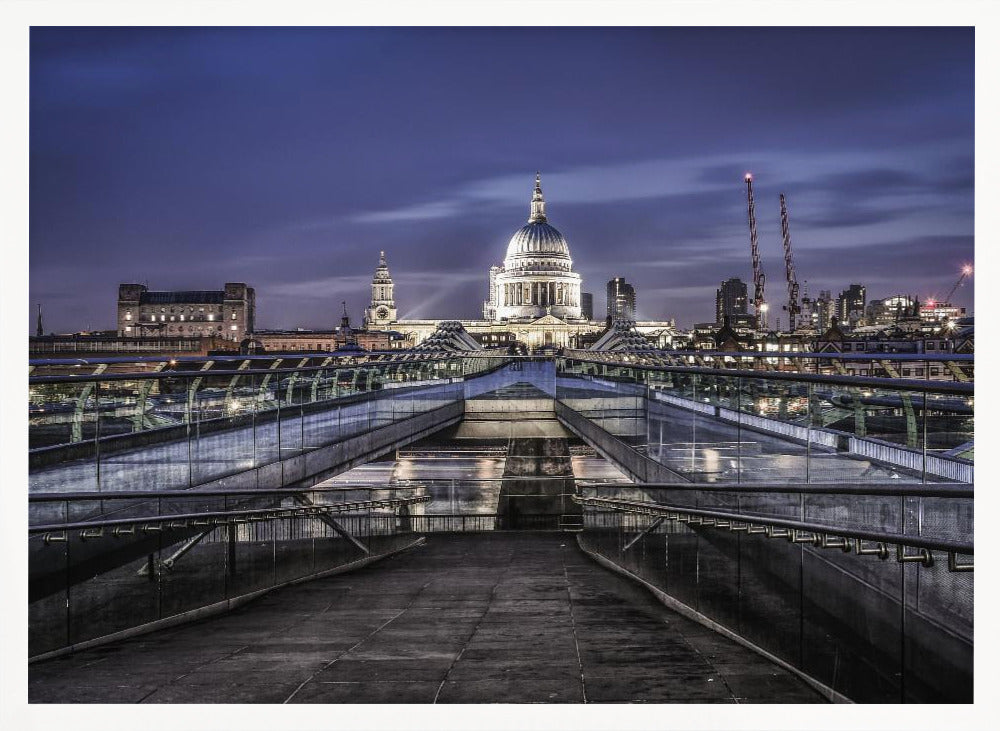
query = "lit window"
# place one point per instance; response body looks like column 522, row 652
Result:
column 234, row 316
column 211, row 316
column 128, row 315
column 182, row 318
column 162, row 318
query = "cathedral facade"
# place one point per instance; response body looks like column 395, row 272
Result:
column 537, row 276
column 535, row 295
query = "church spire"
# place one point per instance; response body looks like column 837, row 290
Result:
column 39, row 331
column 537, row 202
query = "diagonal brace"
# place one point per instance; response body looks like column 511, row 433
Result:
column 168, row 563
column 652, row 527
column 337, row 527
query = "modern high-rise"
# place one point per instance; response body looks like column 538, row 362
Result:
column 730, row 300
column 851, row 305
column 822, row 310
column 587, row 305
column 621, row 300
column 889, row 310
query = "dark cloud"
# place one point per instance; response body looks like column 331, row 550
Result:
column 855, row 213
column 290, row 156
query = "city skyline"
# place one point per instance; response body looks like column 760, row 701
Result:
column 288, row 158
column 324, row 413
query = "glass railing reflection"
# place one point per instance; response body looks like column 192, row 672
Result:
column 188, row 421
column 709, row 425
column 866, row 589
column 100, row 565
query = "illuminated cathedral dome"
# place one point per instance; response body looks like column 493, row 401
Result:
column 535, row 239
column 536, row 243
column 537, row 276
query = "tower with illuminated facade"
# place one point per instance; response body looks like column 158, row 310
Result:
column 382, row 309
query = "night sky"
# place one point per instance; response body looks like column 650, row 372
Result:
column 287, row 158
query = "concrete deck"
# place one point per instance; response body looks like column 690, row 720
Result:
column 488, row 618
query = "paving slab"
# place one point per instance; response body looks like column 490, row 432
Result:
column 477, row 618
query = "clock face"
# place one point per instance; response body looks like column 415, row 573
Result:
column 382, row 313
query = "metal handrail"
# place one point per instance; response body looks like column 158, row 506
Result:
column 446, row 355
column 422, row 516
column 808, row 355
column 147, row 494
column 889, row 384
column 648, row 508
column 95, row 495
column 942, row 489
column 86, row 377
column 270, row 513
column 426, row 355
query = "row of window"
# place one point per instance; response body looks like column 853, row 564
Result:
column 193, row 318
column 881, row 347
column 532, row 264
column 321, row 347
column 190, row 329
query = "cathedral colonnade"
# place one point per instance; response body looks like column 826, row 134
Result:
column 543, row 293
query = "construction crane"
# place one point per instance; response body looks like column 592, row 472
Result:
column 793, row 307
column 966, row 271
column 760, row 307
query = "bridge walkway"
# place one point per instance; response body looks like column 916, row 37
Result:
column 493, row 617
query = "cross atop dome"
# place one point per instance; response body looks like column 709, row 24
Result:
column 537, row 202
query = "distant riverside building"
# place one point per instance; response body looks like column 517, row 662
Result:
column 587, row 305
column 327, row 341
column 226, row 314
column 621, row 300
column 730, row 299
column 344, row 339
column 851, row 305
column 870, row 340
column 110, row 343
column 889, row 310
column 940, row 312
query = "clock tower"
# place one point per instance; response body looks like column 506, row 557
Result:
column 382, row 310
